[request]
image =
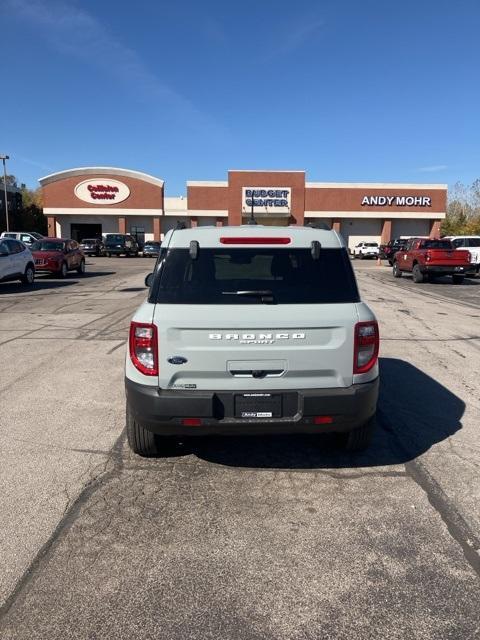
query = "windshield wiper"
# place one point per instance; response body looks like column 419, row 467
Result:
column 266, row 296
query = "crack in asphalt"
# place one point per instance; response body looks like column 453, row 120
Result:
column 70, row 514
column 456, row 524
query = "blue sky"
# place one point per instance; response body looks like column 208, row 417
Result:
column 351, row 91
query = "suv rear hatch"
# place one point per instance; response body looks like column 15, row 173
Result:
column 247, row 318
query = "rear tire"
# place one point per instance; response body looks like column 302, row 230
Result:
column 145, row 443
column 458, row 279
column 396, row 270
column 417, row 275
column 360, row 438
column 81, row 268
column 28, row 277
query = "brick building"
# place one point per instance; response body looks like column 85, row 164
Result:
column 91, row 201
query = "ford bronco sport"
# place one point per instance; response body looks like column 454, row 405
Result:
column 251, row 330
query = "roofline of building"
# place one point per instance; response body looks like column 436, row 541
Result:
column 373, row 185
column 99, row 171
column 266, row 171
column 207, row 183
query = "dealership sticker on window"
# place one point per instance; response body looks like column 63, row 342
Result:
column 102, row 191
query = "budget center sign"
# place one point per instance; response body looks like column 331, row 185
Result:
column 266, row 199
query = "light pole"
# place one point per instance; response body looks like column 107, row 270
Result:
column 3, row 158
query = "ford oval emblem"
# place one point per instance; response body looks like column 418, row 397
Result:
column 177, row 360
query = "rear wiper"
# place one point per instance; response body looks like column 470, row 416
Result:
column 265, row 295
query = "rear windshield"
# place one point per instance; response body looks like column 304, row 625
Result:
column 255, row 276
column 92, row 240
column 47, row 245
column 114, row 237
column 371, row 244
column 436, row 244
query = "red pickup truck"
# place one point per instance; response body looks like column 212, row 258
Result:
column 427, row 259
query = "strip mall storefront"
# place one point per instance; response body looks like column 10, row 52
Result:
column 91, row 201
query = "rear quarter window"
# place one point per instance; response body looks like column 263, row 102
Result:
column 291, row 276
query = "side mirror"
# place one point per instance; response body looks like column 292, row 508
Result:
column 149, row 280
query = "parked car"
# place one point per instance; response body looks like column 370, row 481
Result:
column 16, row 261
column 117, row 244
column 388, row 251
column 27, row 237
column 472, row 243
column 151, row 249
column 366, row 250
column 427, row 259
column 93, row 247
column 237, row 336
column 58, row 256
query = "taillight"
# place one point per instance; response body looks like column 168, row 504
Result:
column 367, row 341
column 143, row 344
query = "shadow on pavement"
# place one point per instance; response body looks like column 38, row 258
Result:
column 414, row 413
column 48, row 281
column 38, row 285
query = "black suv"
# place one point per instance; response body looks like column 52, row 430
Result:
column 118, row 243
column 93, row 247
column 388, row 251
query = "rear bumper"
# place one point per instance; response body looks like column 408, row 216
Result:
column 161, row 411
column 115, row 251
column 444, row 269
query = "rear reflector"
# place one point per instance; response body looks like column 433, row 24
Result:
column 191, row 422
column 254, row 240
column 367, row 341
column 322, row 420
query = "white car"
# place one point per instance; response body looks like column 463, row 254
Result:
column 27, row 237
column 366, row 250
column 251, row 330
column 472, row 243
column 16, row 261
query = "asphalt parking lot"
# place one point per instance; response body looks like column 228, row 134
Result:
column 245, row 538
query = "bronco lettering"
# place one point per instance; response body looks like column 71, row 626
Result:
column 254, row 336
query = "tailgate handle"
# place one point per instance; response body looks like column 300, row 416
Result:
column 256, row 373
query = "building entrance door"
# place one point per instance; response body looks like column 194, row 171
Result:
column 79, row 232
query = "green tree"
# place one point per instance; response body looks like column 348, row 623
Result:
column 11, row 180
column 463, row 210
column 30, row 216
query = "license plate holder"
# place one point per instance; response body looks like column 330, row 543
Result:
column 258, row 405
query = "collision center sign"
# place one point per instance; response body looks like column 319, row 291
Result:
column 101, row 191
column 266, row 199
